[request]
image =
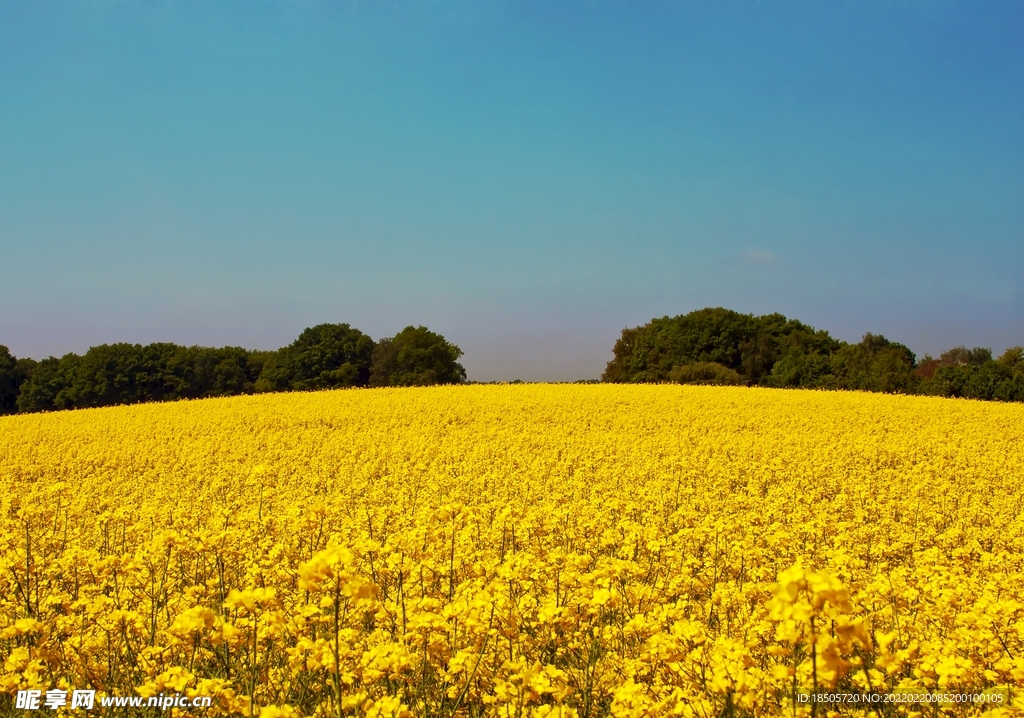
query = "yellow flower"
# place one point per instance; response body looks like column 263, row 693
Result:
column 534, row 551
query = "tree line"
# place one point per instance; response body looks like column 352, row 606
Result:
column 708, row 346
column 720, row 346
column 327, row 356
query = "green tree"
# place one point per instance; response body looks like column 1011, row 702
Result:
column 276, row 372
column 962, row 356
column 875, row 364
column 123, row 373
column 747, row 344
column 49, row 387
column 619, row 368
column 649, row 353
column 778, row 336
column 327, row 356
column 416, row 356
column 802, row 367
column 199, row 372
column 1013, row 358
column 978, row 377
column 9, row 382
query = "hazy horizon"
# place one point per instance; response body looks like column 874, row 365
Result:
column 526, row 179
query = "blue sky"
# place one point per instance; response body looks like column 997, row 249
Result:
column 526, row 178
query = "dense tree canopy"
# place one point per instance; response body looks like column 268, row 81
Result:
column 744, row 343
column 719, row 346
column 131, row 373
column 974, row 374
column 9, row 382
column 326, row 356
column 873, row 364
column 416, row 356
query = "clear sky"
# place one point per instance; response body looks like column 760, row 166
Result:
column 526, row 178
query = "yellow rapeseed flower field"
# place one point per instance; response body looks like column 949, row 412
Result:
column 518, row 551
